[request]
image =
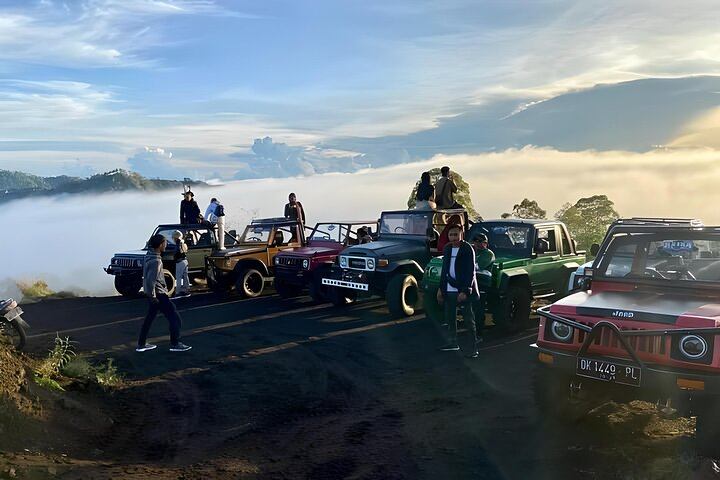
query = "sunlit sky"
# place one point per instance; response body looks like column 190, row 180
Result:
column 184, row 87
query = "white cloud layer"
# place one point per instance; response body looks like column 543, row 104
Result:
column 89, row 229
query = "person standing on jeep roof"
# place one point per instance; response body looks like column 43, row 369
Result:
column 294, row 211
column 189, row 210
column 445, row 189
column 182, row 280
column 458, row 288
column 484, row 260
column 157, row 293
column 425, row 197
column 215, row 214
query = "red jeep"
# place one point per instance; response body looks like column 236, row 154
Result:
column 646, row 325
column 297, row 268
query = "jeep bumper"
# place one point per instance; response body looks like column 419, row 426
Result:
column 662, row 380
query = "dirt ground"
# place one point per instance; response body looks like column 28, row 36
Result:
column 367, row 402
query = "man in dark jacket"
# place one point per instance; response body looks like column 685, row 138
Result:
column 189, row 209
column 458, row 288
column 157, row 293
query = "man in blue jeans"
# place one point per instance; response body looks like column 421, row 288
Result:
column 458, row 288
column 157, row 293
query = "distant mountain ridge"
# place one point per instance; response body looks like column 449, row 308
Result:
column 15, row 185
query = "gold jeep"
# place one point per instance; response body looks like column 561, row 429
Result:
column 249, row 264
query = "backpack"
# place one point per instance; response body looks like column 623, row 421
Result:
column 219, row 210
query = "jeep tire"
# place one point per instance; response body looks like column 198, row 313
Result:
column 318, row 292
column 340, row 297
column 169, row 282
column 128, row 285
column 287, row 290
column 707, row 430
column 402, row 295
column 250, row 283
column 515, row 308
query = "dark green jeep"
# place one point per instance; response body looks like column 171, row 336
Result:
column 392, row 266
column 533, row 259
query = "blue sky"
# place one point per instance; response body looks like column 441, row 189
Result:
column 184, row 87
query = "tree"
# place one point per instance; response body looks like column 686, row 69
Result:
column 462, row 196
column 588, row 219
column 526, row 209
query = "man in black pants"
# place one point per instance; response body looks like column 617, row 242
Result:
column 157, row 292
column 458, row 288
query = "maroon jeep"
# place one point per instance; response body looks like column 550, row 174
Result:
column 645, row 326
column 297, row 268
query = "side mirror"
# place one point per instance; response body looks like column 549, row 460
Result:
column 594, row 249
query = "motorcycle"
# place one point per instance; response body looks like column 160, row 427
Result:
column 12, row 326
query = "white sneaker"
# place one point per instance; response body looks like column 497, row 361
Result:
column 180, row 347
column 145, row 348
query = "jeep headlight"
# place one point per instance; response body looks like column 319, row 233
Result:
column 343, row 262
column 371, row 264
column 561, row 331
column 137, row 263
column 693, row 347
column 276, row 260
column 383, row 262
column 113, row 261
column 306, row 263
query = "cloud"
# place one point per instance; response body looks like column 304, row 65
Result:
column 156, row 162
column 661, row 183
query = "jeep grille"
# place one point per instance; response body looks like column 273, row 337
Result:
column 358, row 263
column 127, row 262
column 650, row 344
column 288, row 261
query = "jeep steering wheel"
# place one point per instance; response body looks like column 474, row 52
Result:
column 254, row 239
column 651, row 272
column 401, row 229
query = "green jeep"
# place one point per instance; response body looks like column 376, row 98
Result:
column 533, row 259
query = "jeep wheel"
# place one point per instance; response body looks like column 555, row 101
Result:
column 287, row 290
column 169, row 282
column 433, row 310
column 515, row 310
column 341, row 296
column 707, row 429
column 402, row 295
column 318, row 292
column 128, row 285
column 249, row 283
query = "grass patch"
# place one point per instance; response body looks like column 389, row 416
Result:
column 39, row 290
column 48, row 372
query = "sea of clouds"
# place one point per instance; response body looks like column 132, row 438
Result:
column 67, row 240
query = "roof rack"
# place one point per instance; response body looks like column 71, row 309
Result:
column 692, row 222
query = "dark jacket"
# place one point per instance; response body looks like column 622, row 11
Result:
column 189, row 212
column 465, row 280
column 292, row 213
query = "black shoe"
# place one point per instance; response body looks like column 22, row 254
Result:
column 473, row 354
column 450, row 347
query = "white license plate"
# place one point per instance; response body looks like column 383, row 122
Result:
column 13, row 314
column 608, row 371
column 342, row 283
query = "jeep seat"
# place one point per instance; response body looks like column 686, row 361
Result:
column 279, row 238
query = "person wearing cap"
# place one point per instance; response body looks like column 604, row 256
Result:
column 189, row 209
column 156, row 290
column 182, row 280
column 484, row 260
column 215, row 214
column 458, row 288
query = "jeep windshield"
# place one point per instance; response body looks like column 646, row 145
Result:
column 329, row 232
column 408, row 224
column 193, row 237
column 258, row 234
column 662, row 256
column 509, row 241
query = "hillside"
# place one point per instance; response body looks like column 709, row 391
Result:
column 15, row 185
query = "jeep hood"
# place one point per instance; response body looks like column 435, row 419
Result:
column 131, row 253
column 309, row 251
column 681, row 311
column 384, row 249
column 233, row 252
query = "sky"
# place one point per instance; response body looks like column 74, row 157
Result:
column 236, row 89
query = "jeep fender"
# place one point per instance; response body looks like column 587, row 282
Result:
column 252, row 263
column 410, row 267
column 514, row 276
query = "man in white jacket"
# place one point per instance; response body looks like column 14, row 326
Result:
column 215, row 213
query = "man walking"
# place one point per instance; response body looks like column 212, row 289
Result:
column 445, row 190
column 157, row 293
column 458, row 288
